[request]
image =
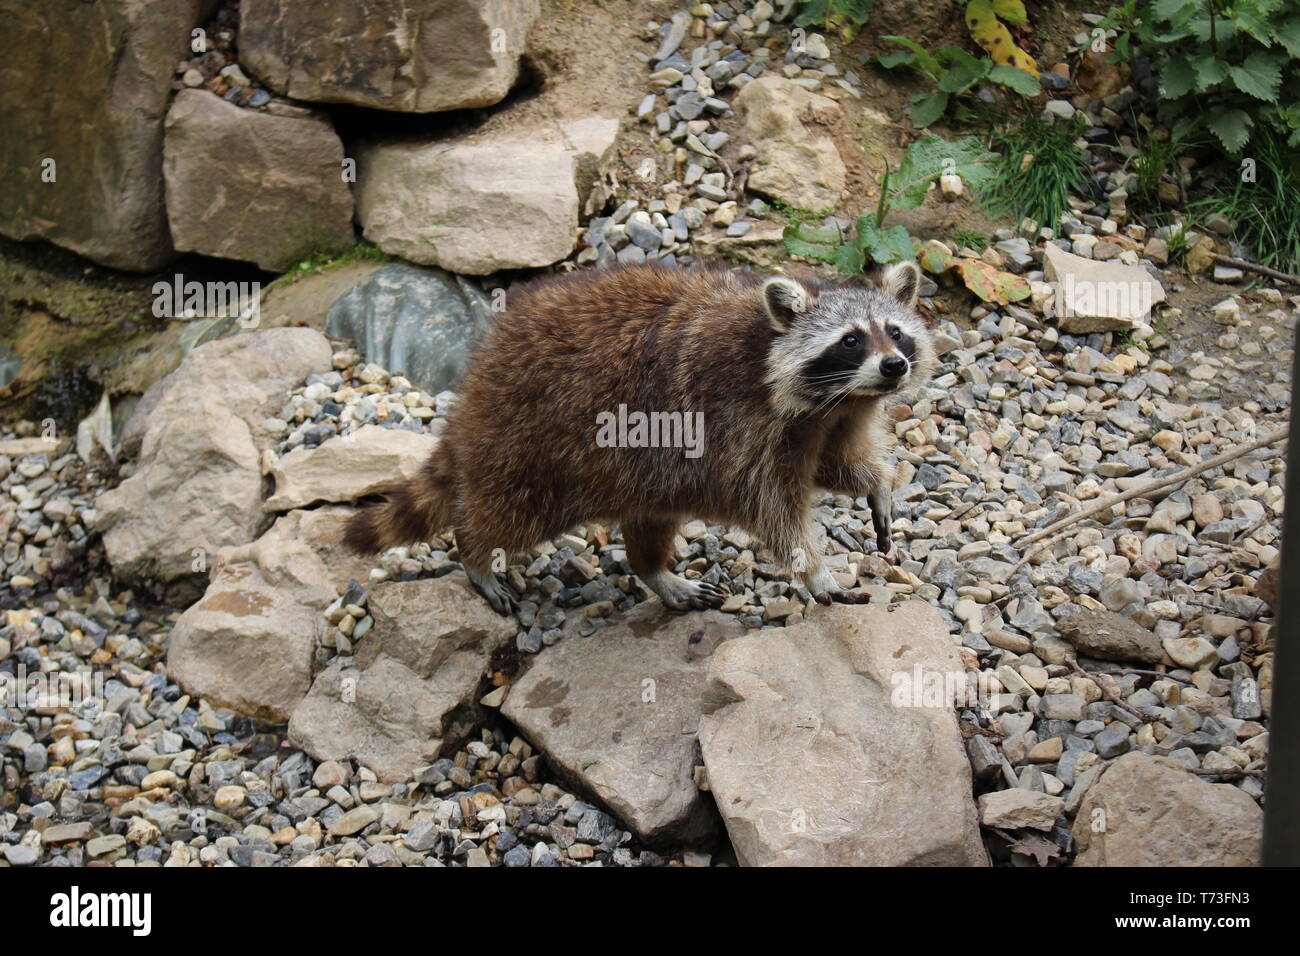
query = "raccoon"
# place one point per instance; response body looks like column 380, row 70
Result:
column 791, row 382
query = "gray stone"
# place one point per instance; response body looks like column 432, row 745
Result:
column 86, row 86
column 1111, row 637
column 210, row 141
column 421, row 323
column 397, row 55
column 1158, row 814
column 628, row 739
column 816, row 749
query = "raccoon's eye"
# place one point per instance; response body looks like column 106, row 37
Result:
column 850, row 341
column 895, row 333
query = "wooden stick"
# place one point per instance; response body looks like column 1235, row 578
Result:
column 1109, row 694
column 1139, row 671
column 1228, row 774
column 1256, row 267
column 1140, row 491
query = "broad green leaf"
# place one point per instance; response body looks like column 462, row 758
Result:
column 1176, row 79
column 929, row 65
column 930, row 157
column 1224, row 31
column 1171, row 11
column 928, row 109
column 1232, row 127
column 1208, row 70
column 1260, row 76
column 814, row 11
column 1026, row 84
column 1252, row 18
column 811, row 243
column 1288, row 34
column 964, row 74
column 900, row 58
column 850, row 259
column 883, row 245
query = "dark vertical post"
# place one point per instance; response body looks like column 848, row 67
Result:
column 1282, row 792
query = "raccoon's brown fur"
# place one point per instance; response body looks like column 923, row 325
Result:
column 768, row 365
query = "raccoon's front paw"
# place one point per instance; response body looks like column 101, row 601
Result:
column 839, row 596
column 679, row 594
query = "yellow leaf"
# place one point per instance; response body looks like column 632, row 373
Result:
column 991, row 34
column 1012, row 11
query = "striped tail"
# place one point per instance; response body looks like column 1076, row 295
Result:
column 409, row 513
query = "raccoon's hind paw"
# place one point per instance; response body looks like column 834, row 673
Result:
column 496, row 591
column 837, row 596
column 680, row 594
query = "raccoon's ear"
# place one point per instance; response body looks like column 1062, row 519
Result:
column 903, row 281
column 784, row 299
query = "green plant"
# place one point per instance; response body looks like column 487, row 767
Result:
column 1154, row 157
column 846, row 16
column 1038, row 169
column 321, row 261
column 1178, row 244
column 954, row 72
column 1262, row 198
column 796, row 214
column 904, row 188
column 1231, row 67
column 970, row 239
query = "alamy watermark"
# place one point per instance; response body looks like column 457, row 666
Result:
column 62, row 689
column 179, row 299
column 1085, row 297
column 635, row 429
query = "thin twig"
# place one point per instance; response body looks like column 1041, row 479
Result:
column 1256, row 267
column 1109, row 694
column 1228, row 774
column 1140, row 491
column 1141, row 672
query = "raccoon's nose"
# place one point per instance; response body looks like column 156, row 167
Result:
column 893, row 366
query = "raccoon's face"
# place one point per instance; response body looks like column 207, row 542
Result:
column 846, row 342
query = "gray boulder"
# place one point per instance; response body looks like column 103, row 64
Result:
column 86, row 85
column 616, row 715
column 251, row 185
column 828, row 744
column 412, row 694
column 420, row 322
column 1150, row 811
column 416, row 56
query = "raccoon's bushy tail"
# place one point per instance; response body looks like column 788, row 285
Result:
column 410, row 513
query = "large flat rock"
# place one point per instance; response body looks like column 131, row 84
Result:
column 1094, row 296
column 616, row 716
column 348, row 467
column 411, row 693
column 502, row 200
column 418, row 56
column 86, row 86
column 1150, row 811
column 822, row 750
column 255, row 186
